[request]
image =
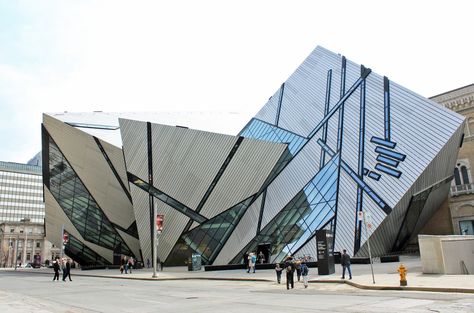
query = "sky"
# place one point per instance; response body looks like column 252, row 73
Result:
column 208, row 55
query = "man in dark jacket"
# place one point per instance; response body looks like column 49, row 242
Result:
column 289, row 269
column 56, row 269
column 346, row 264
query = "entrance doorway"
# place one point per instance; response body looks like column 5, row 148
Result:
column 263, row 253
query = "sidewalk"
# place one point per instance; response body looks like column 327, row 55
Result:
column 385, row 275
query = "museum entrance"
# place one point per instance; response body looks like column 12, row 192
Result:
column 263, row 252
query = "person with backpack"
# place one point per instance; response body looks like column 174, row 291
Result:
column 304, row 273
column 289, row 269
column 278, row 271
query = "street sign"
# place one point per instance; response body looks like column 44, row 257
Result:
column 159, row 223
column 65, row 237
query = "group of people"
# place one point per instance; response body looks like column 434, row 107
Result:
column 63, row 264
column 251, row 259
column 126, row 264
column 290, row 266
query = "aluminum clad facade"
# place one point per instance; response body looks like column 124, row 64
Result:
column 333, row 142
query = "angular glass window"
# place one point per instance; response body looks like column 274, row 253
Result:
column 310, row 210
column 78, row 204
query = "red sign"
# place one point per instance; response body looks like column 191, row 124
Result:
column 159, row 223
column 65, row 237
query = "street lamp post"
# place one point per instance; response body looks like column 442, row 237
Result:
column 154, row 243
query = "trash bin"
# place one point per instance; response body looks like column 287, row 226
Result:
column 194, row 263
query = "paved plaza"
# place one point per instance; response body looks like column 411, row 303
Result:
column 178, row 290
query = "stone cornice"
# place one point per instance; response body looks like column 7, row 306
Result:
column 457, row 100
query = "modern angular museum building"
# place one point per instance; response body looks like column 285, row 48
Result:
column 335, row 140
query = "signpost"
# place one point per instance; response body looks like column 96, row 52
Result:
column 367, row 217
column 156, row 231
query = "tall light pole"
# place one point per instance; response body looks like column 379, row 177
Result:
column 153, row 242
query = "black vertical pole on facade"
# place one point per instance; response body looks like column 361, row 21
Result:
column 340, row 126
column 360, row 168
column 326, row 110
column 150, row 182
column 386, row 106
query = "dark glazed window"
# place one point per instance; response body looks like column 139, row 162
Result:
column 260, row 130
column 311, row 209
column 78, row 204
column 457, row 177
column 465, row 176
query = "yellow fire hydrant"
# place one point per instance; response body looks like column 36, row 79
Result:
column 403, row 275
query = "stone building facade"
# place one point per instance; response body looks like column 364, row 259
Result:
column 461, row 201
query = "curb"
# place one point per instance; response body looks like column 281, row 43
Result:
column 399, row 288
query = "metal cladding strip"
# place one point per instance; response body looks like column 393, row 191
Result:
column 341, row 110
column 340, row 103
column 388, row 170
column 386, row 98
column 117, row 176
column 359, row 181
column 326, row 109
column 340, row 136
column 163, row 197
column 360, row 167
column 219, row 174
column 280, row 100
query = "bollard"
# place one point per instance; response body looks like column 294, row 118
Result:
column 403, row 275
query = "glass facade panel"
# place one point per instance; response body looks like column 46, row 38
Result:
column 258, row 129
column 208, row 238
column 79, row 206
column 311, row 209
column 82, row 254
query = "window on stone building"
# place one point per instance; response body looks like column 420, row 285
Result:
column 465, row 177
column 462, row 173
column 38, row 245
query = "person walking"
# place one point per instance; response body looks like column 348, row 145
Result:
column 131, row 263
column 125, row 262
column 261, row 257
column 346, row 264
column 122, row 265
column 64, row 268
column 148, row 263
column 56, row 269
column 290, row 269
column 246, row 261
column 297, row 264
column 67, row 273
column 252, row 260
column 304, row 272
column 278, row 271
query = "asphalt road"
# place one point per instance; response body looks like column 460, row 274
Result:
column 24, row 292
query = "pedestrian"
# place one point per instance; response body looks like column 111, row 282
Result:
column 122, row 265
column 68, row 270
column 125, row 260
column 298, row 269
column 261, row 257
column 148, row 263
column 56, row 269
column 346, row 264
column 64, row 268
column 252, row 261
column 304, row 273
column 131, row 263
column 246, row 261
column 289, row 269
column 278, row 271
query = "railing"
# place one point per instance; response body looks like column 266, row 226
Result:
column 462, row 189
